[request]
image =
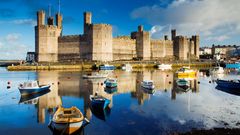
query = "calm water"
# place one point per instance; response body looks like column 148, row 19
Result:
column 132, row 110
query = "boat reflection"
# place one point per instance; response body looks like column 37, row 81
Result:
column 80, row 131
column 100, row 113
column 110, row 90
column 32, row 97
column 71, row 84
column 229, row 91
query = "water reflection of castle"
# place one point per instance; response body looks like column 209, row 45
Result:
column 72, row 84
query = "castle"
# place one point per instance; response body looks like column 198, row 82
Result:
column 98, row 44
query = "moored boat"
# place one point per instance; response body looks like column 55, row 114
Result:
column 106, row 67
column 185, row 72
column 67, row 120
column 182, row 82
column 230, row 84
column 165, row 66
column 147, row 84
column 99, row 101
column 127, row 67
column 218, row 70
column 94, row 76
column 110, row 82
column 233, row 65
column 32, row 87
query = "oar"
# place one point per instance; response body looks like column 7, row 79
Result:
column 67, row 125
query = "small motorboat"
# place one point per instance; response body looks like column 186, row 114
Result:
column 218, row 70
column 127, row 67
column 99, row 101
column 165, row 66
column 182, row 82
column 110, row 90
column 185, row 72
column 148, row 84
column 95, row 76
column 32, row 87
column 67, row 120
column 230, row 84
column 110, row 82
column 106, row 67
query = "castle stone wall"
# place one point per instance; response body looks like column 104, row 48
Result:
column 161, row 49
column 69, row 48
column 101, row 41
column 124, row 48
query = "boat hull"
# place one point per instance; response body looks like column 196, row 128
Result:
column 67, row 128
column 235, row 65
column 111, row 85
column 186, row 74
column 228, row 84
column 148, row 87
column 106, row 67
column 100, row 104
column 33, row 90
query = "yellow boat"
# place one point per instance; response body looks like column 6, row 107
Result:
column 67, row 120
column 186, row 72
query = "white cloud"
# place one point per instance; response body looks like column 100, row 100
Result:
column 30, row 22
column 13, row 37
column 25, row 22
column 209, row 18
column 218, row 38
column 12, row 48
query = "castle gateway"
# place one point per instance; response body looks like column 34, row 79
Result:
column 98, row 44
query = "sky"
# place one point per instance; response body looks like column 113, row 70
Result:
column 216, row 21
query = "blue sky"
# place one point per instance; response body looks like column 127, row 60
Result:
column 216, row 21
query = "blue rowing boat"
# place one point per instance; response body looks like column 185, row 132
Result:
column 230, row 84
column 99, row 101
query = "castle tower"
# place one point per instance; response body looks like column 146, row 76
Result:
column 196, row 40
column 181, row 47
column 101, row 42
column 174, row 34
column 40, row 18
column 87, row 21
column 59, row 20
column 143, row 47
column 46, row 39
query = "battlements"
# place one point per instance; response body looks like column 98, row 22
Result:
column 124, row 38
column 69, row 38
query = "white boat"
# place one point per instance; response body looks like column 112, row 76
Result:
column 165, row 66
column 127, row 67
column 148, row 84
column 218, row 70
column 32, row 87
column 67, row 120
column 95, row 76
